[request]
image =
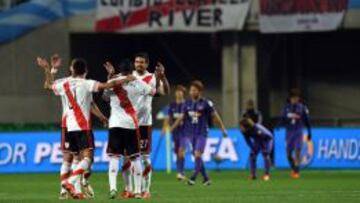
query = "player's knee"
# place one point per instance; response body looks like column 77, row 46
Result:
column 87, row 153
column 76, row 157
column 68, row 157
column 198, row 154
column 266, row 155
column 252, row 156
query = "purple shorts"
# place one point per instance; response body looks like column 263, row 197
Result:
column 180, row 142
column 198, row 143
column 294, row 140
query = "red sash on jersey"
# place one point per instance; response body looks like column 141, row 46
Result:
column 125, row 103
column 63, row 121
column 79, row 116
column 148, row 78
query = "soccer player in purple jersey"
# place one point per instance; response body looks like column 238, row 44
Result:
column 258, row 138
column 179, row 138
column 295, row 116
column 196, row 113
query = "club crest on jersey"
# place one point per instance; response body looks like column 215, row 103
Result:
column 194, row 114
column 67, row 145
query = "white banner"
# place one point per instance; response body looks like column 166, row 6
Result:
column 278, row 16
column 170, row 15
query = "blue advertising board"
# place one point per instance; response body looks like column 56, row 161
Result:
column 336, row 148
column 354, row 4
column 39, row 152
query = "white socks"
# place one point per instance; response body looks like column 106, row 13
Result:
column 79, row 170
column 146, row 180
column 113, row 172
column 73, row 168
column 64, row 174
column 127, row 175
column 137, row 173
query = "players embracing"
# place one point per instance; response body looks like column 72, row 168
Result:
column 142, row 103
column 78, row 139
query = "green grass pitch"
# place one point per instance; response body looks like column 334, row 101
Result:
column 228, row 186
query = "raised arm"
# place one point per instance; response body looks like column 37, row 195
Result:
column 49, row 78
column 161, row 78
column 56, row 62
column 109, row 69
column 50, row 72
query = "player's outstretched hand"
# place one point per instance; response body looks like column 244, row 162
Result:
column 55, row 63
column 109, row 68
column 160, row 70
column 42, row 63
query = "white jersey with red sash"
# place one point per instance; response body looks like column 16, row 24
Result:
column 59, row 82
column 76, row 94
column 145, row 101
column 124, row 102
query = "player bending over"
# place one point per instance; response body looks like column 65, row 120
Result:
column 295, row 116
column 196, row 113
column 124, row 137
column 78, row 97
column 70, row 160
column 258, row 138
column 179, row 138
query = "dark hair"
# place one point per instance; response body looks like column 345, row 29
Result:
column 126, row 67
column 198, row 84
column 79, row 66
column 180, row 88
column 247, row 123
column 295, row 92
column 143, row 55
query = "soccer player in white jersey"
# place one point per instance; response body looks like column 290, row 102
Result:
column 158, row 81
column 124, row 137
column 78, row 92
column 144, row 113
column 70, row 160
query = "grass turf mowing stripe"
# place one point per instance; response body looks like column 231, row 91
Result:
column 228, row 186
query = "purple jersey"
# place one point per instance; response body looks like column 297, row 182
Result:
column 258, row 134
column 175, row 110
column 196, row 117
column 289, row 115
